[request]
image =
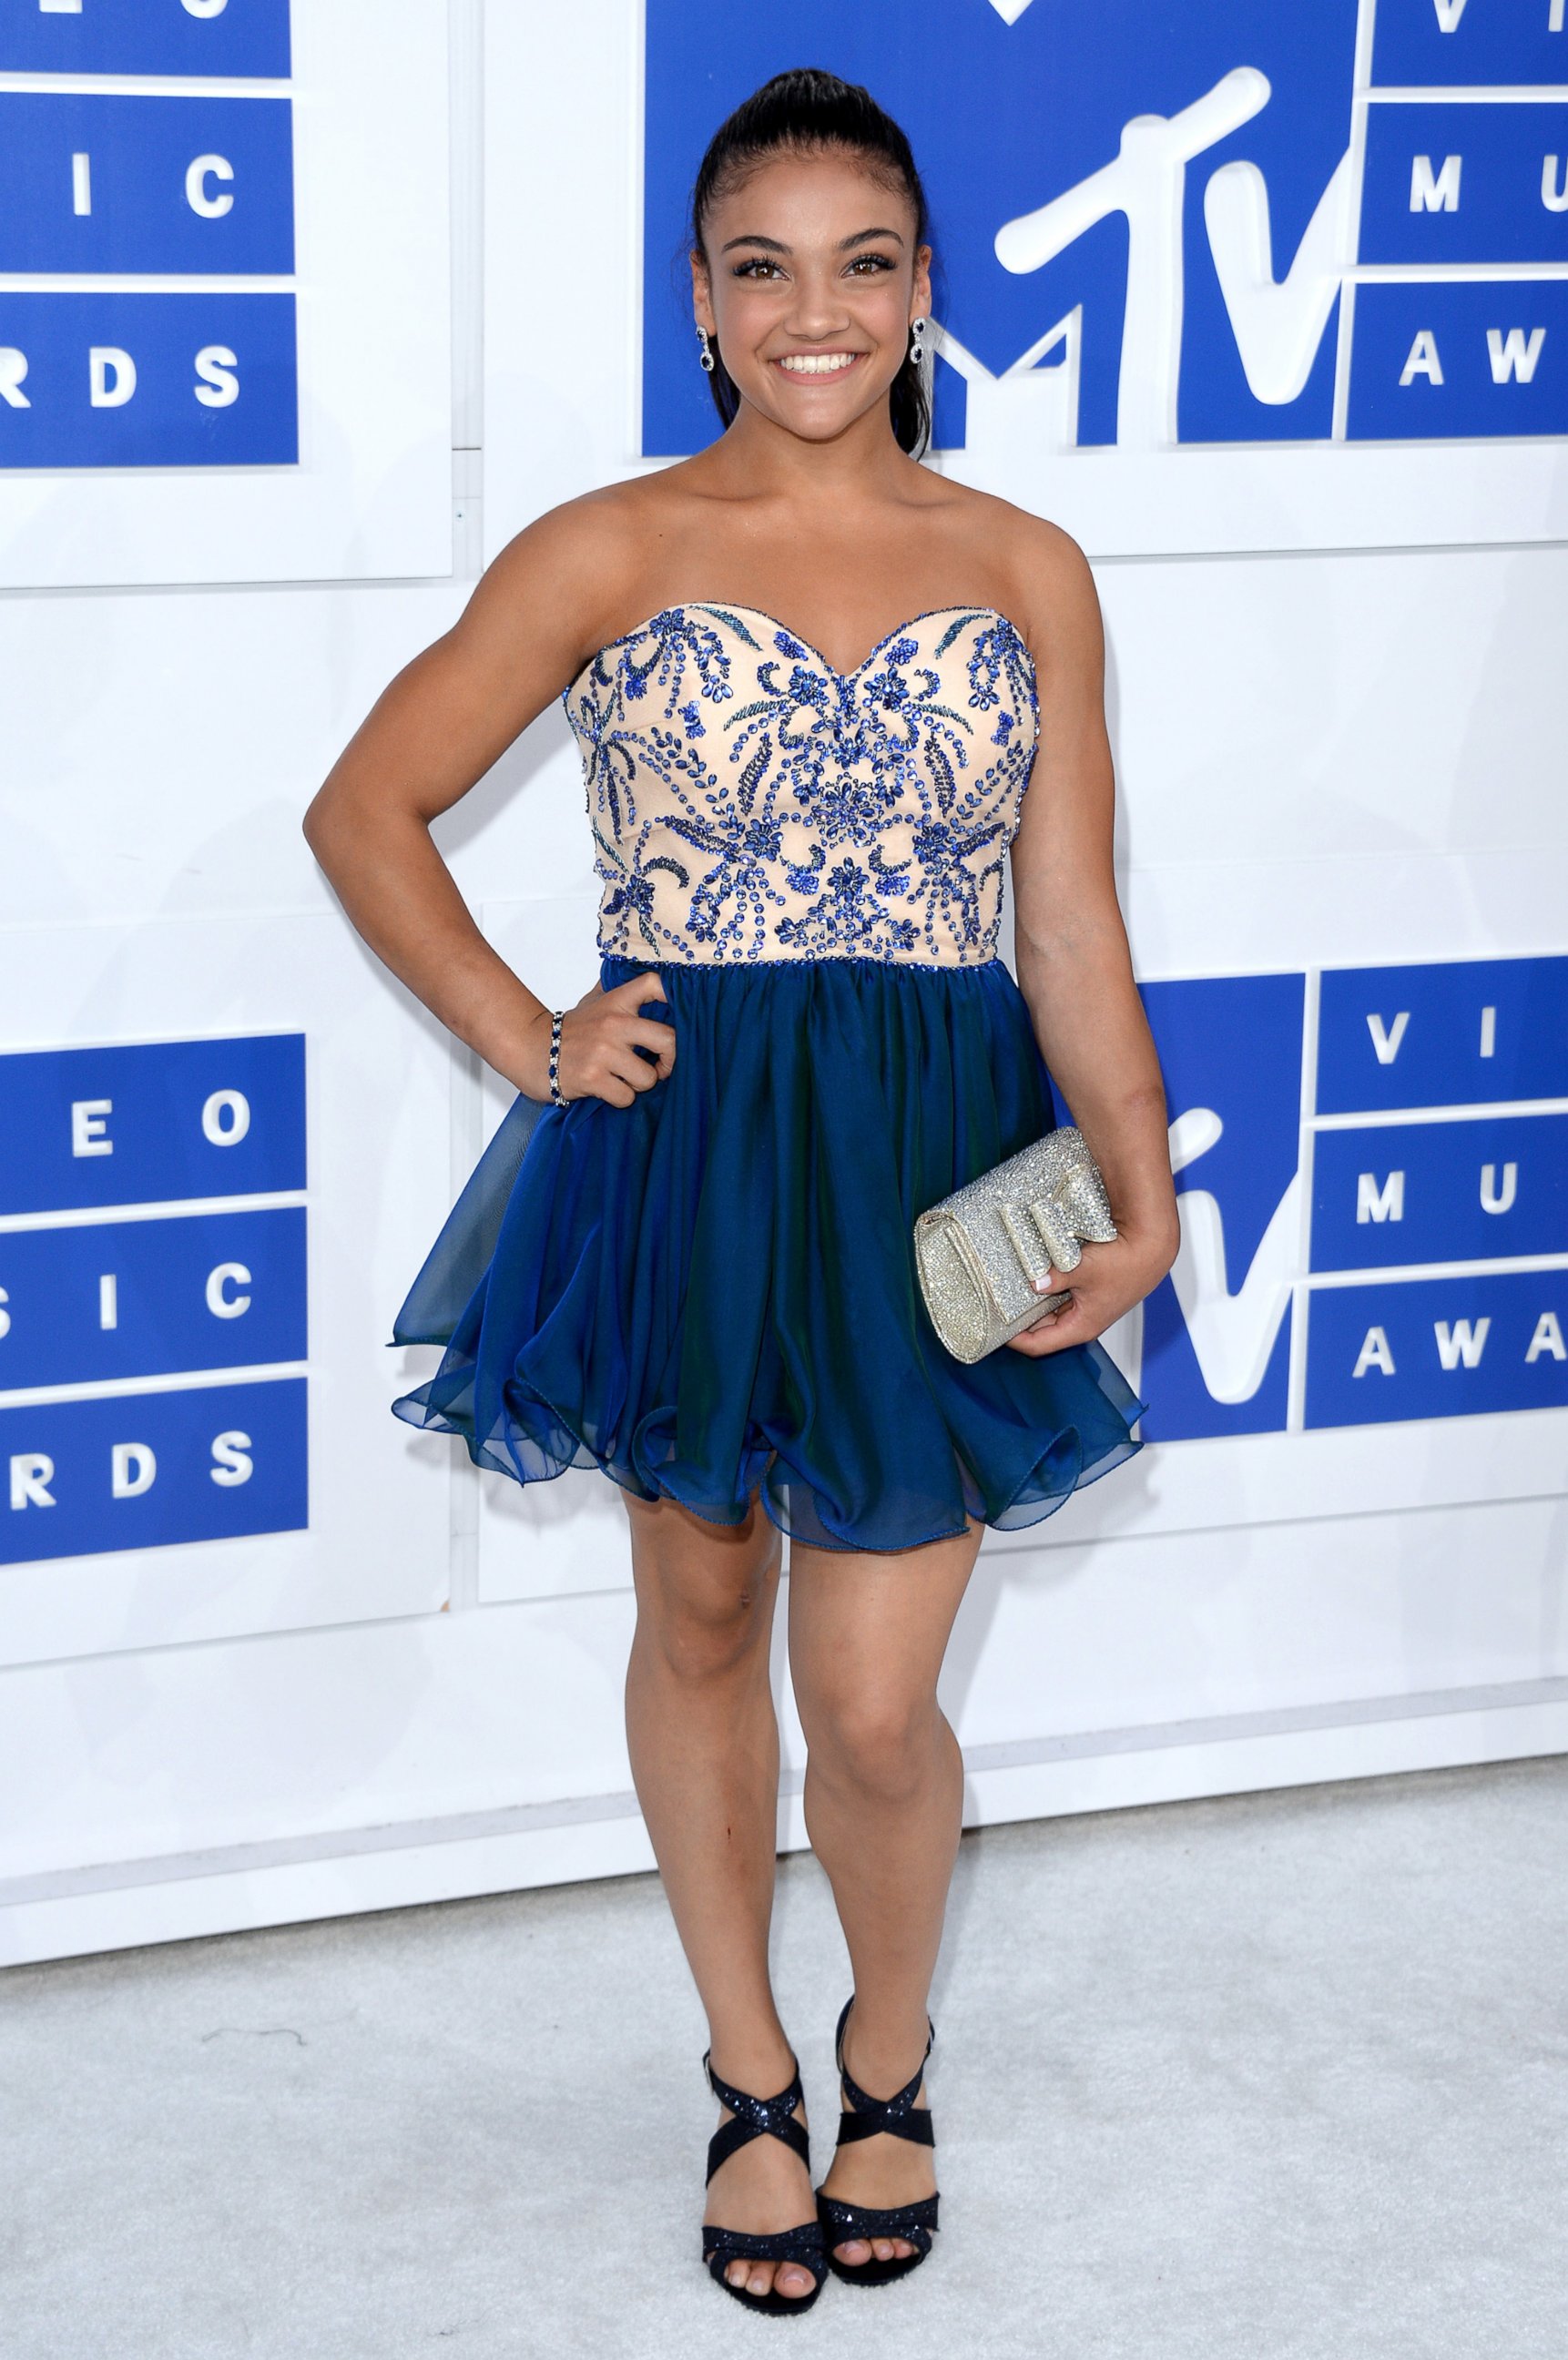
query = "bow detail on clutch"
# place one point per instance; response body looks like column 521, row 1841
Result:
column 1072, row 1208
column 979, row 1252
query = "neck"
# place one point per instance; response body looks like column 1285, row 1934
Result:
column 758, row 459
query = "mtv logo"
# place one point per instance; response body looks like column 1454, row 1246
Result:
column 1216, row 1332
column 1141, row 214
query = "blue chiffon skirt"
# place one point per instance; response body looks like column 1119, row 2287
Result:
column 713, row 1289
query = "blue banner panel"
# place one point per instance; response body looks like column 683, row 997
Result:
column 94, row 183
column 1465, row 183
column 149, row 1123
column 1410, row 1192
column 1464, row 1032
column 143, row 1470
column 1437, row 1348
column 1230, row 1052
column 1477, row 358
column 115, row 380
column 1468, row 43
column 151, row 1298
column 1018, row 132
column 145, row 185
column 145, row 36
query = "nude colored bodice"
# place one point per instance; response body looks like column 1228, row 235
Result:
column 749, row 803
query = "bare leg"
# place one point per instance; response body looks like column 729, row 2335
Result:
column 883, row 1807
column 704, row 1758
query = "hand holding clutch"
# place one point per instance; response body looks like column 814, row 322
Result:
column 980, row 1251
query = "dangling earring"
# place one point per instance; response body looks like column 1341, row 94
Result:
column 917, row 341
column 705, row 357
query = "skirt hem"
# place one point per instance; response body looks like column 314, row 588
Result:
column 416, row 1411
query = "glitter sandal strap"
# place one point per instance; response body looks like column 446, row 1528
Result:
column 762, row 2118
column 898, row 2116
column 755, row 2118
column 843, row 2223
column 802, row 2244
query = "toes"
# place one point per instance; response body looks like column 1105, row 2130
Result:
column 763, row 2277
column 859, row 2250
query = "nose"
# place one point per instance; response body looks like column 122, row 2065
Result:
column 818, row 311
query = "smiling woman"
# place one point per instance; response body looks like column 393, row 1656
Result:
column 824, row 700
column 888, row 262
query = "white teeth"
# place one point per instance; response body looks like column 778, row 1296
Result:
column 815, row 364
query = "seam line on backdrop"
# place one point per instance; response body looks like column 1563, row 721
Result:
column 141, row 282
column 367, row 1625
column 97, row 1216
column 109, row 85
column 1478, row 1266
column 1300, row 1296
column 1518, row 94
column 186, row 1381
column 1406, row 1118
column 526, row 1818
column 1360, row 83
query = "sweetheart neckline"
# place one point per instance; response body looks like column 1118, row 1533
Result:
column 738, row 606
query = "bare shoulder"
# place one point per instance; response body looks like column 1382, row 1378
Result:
column 1050, row 592
column 586, row 564
column 569, row 564
column 1055, row 596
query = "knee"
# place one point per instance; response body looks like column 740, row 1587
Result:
column 710, row 1639
column 710, row 1629
column 880, row 1745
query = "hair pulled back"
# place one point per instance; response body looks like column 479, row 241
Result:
column 808, row 111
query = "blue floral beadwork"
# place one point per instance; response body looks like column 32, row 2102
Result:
column 749, row 802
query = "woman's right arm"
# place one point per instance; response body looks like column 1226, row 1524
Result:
column 534, row 617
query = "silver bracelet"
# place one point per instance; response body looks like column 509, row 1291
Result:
column 557, row 1017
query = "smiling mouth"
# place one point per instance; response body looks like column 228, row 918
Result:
column 816, row 364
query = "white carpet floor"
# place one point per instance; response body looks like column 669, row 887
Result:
column 1277, row 2078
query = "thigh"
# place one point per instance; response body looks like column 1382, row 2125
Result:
column 875, row 1623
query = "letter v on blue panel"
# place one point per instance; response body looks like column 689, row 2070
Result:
column 1434, row 1125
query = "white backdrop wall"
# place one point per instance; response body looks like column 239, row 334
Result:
column 1329, row 758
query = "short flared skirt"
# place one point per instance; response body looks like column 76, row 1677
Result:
column 712, row 1292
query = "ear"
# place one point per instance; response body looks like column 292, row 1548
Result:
column 702, row 293
column 921, row 292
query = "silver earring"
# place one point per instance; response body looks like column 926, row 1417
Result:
column 917, row 341
column 705, row 357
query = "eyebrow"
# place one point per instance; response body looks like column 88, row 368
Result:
column 773, row 244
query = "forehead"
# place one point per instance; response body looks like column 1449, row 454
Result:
column 822, row 190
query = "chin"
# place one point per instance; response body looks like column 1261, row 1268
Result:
column 822, row 427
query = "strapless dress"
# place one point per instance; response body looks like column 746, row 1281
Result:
column 713, row 1291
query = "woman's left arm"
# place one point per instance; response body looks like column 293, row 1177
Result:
column 1073, row 964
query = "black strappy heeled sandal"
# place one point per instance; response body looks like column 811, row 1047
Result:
column 752, row 2118
column 914, row 2223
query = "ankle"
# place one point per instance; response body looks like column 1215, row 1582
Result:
column 754, row 2059
column 883, row 2053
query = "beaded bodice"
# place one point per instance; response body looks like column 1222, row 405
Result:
column 749, row 802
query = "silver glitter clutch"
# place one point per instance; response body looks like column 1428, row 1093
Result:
column 977, row 1250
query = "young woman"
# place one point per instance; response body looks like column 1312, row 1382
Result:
column 811, row 681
